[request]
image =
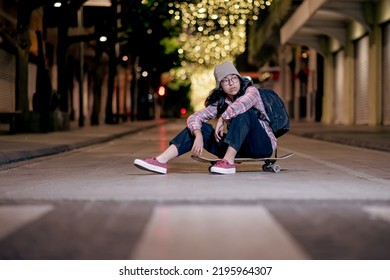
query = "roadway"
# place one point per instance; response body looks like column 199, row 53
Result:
column 329, row 201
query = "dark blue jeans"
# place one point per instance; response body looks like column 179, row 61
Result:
column 245, row 135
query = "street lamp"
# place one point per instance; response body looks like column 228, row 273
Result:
column 103, row 38
column 98, row 3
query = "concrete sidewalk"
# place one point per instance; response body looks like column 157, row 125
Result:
column 377, row 138
column 19, row 147
column 25, row 146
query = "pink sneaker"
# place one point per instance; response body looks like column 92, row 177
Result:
column 223, row 167
column 151, row 164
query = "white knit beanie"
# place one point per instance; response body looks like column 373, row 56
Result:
column 224, row 69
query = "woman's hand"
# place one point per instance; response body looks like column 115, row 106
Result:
column 219, row 129
column 197, row 147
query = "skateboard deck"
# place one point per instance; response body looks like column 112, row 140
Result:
column 269, row 162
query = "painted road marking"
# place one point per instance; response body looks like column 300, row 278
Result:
column 14, row 217
column 378, row 212
column 215, row 232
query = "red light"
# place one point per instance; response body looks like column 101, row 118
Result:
column 183, row 111
column 161, row 91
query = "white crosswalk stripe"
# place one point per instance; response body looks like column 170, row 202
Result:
column 14, row 217
column 215, row 232
column 378, row 212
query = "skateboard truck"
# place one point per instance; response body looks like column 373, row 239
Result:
column 270, row 165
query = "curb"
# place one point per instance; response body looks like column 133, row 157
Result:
column 384, row 147
column 16, row 156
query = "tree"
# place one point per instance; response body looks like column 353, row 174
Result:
column 144, row 26
column 21, row 45
column 147, row 29
column 63, row 18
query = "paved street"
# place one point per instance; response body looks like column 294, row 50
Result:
column 330, row 201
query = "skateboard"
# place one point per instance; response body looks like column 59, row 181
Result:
column 269, row 162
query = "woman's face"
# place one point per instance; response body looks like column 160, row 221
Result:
column 231, row 85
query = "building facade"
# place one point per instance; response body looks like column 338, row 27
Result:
column 331, row 59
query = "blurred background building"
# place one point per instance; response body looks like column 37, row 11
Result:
column 109, row 61
column 328, row 59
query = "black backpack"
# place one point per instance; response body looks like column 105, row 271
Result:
column 277, row 115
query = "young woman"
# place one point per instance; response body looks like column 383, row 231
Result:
column 234, row 101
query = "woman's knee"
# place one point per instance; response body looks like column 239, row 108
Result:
column 246, row 117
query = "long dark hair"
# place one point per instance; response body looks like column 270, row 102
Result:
column 217, row 96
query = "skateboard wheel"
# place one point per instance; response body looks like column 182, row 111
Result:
column 267, row 168
column 276, row 168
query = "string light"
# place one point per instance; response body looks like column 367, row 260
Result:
column 212, row 31
column 215, row 30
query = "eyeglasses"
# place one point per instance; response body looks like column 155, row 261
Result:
column 232, row 80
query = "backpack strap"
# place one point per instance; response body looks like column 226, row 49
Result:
column 262, row 116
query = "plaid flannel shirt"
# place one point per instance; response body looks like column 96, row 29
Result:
column 250, row 99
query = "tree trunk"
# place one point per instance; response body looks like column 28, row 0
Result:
column 43, row 83
column 22, row 47
column 112, row 65
column 97, row 80
column 62, row 87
